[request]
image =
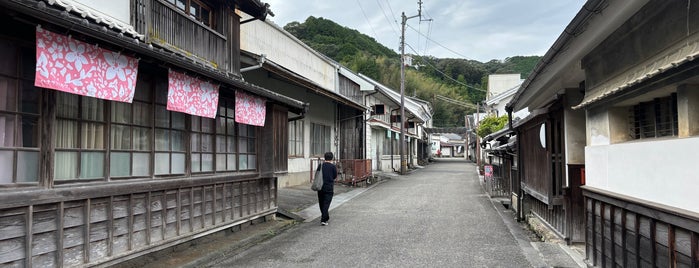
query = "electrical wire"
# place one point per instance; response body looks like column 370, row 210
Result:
column 452, row 51
column 367, row 20
column 445, row 75
column 387, row 18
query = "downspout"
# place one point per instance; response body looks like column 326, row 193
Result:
column 302, row 115
column 260, row 62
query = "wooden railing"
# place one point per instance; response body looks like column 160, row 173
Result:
column 623, row 232
column 85, row 231
column 167, row 27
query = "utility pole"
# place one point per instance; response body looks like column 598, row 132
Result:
column 404, row 19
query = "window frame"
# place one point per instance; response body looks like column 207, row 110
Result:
column 22, row 80
column 186, row 11
column 296, row 138
column 326, row 145
column 653, row 119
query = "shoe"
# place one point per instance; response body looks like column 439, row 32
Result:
column 322, row 223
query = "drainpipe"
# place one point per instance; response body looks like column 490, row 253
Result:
column 260, row 62
column 302, row 115
column 509, row 109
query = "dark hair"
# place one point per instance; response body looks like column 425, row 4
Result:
column 329, row 156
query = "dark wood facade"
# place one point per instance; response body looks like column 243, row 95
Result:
column 544, row 173
column 219, row 173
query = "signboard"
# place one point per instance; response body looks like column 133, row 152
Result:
column 488, row 170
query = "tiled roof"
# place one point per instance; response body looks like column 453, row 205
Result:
column 96, row 16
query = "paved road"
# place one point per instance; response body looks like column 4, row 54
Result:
column 436, row 216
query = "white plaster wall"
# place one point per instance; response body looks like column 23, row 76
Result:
column 498, row 83
column 659, row 170
column 280, row 47
column 117, row 9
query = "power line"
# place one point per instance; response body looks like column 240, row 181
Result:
column 387, row 18
column 452, row 51
column 367, row 20
column 445, row 75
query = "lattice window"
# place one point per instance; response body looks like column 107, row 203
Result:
column 653, row 119
column 296, row 138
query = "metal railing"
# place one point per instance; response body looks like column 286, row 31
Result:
column 350, row 171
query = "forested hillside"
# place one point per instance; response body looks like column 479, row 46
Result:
column 459, row 79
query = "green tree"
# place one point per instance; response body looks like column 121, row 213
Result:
column 490, row 125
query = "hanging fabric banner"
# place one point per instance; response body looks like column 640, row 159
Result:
column 190, row 95
column 73, row 66
column 249, row 109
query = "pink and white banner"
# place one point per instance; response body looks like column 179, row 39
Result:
column 249, row 109
column 192, row 96
column 73, row 66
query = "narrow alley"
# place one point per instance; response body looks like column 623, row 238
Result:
column 435, row 216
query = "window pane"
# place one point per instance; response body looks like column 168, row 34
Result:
column 92, row 109
column 66, row 105
column 207, row 162
column 207, row 124
column 8, row 94
column 177, row 140
column 121, row 112
column 7, row 130
column 27, row 166
column 231, row 162
column 196, row 142
column 180, row 4
column 92, row 136
column 162, row 163
column 178, row 120
column 220, row 125
column 178, row 163
column 66, row 134
column 205, row 16
column 121, row 137
column 242, row 145
column 141, row 164
column 252, row 161
column 207, row 143
column 231, row 145
column 142, row 114
column 141, row 139
column 243, row 162
column 220, row 143
column 92, row 165
column 193, row 8
column 220, row 162
column 8, row 52
column 251, row 146
column 30, row 99
column 120, row 164
column 6, row 166
column 66, row 165
column 195, row 123
column 162, row 140
column 162, row 116
column 196, row 162
column 230, row 126
column 30, row 131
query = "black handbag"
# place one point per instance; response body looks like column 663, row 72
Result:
column 317, row 183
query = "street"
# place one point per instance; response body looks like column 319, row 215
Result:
column 435, row 216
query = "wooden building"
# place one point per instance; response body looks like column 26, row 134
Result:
column 625, row 72
column 126, row 128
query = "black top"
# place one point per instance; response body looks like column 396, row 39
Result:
column 329, row 175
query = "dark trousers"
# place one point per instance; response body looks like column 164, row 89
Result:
column 324, row 199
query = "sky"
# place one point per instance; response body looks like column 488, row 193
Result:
column 480, row 30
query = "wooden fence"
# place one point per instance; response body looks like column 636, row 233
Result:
column 628, row 233
column 103, row 229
